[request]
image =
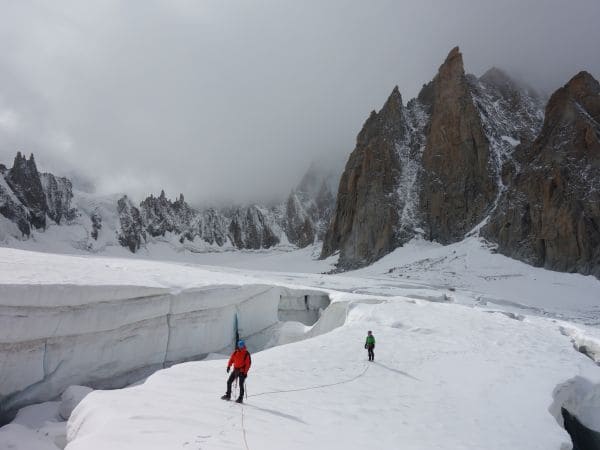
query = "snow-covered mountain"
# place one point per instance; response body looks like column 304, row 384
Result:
column 40, row 208
column 476, row 154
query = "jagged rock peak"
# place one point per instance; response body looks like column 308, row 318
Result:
column 453, row 66
column 583, row 85
column 549, row 214
column 394, row 100
column 24, row 180
column 497, row 77
column 579, row 97
column 390, row 119
column 21, row 163
column 458, row 186
column 584, row 89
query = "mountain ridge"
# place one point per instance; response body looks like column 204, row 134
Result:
column 458, row 170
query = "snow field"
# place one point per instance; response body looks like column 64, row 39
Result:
column 444, row 377
column 479, row 365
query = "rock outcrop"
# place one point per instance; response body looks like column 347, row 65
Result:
column 59, row 195
column 458, row 184
column 309, row 208
column 12, row 209
column 30, row 200
column 364, row 223
column 433, row 168
column 24, row 181
column 250, row 228
column 133, row 233
column 299, row 227
column 161, row 215
column 549, row 215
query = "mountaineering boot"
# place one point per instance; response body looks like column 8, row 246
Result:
column 226, row 397
column 240, row 400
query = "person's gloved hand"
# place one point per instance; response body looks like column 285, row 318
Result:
column 227, row 369
column 365, row 345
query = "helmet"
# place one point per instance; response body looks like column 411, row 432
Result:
column 369, row 332
column 241, row 343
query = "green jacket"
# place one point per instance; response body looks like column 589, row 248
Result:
column 370, row 340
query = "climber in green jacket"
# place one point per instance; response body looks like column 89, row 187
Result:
column 370, row 345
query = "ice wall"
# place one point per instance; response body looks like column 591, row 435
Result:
column 305, row 308
column 54, row 336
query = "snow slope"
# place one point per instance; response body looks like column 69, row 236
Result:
column 445, row 377
column 474, row 349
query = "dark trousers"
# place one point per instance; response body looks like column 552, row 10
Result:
column 371, row 352
column 241, row 377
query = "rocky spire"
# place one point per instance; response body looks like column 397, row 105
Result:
column 458, row 186
column 365, row 217
column 549, row 215
column 24, row 179
column 566, row 106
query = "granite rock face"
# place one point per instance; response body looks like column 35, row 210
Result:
column 364, row 226
column 24, row 181
column 29, row 199
column 132, row 234
column 59, row 195
column 308, row 209
column 458, row 185
column 250, row 228
column 436, row 168
column 161, row 215
column 299, row 227
column 12, row 209
column 549, row 215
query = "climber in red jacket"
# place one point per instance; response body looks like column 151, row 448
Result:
column 240, row 360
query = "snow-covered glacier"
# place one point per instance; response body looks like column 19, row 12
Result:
column 84, row 329
column 474, row 350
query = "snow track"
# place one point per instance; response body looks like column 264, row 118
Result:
column 311, row 388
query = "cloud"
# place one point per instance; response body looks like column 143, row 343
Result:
column 9, row 120
column 230, row 101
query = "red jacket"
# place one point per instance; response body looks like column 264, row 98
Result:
column 240, row 358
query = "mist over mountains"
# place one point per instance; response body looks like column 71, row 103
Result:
column 469, row 156
column 476, row 156
column 36, row 205
column 206, row 97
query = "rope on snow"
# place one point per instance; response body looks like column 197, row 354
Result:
column 320, row 386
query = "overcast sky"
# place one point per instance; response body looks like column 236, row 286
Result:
column 232, row 99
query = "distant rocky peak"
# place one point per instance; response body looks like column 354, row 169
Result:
column 426, row 96
column 393, row 104
column 498, row 78
column 24, row 179
column 23, row 166
column 583, row 89
column 458, row 185
column 578, row 100
column 390, row 120
column 453, row 69
column 310, row 180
